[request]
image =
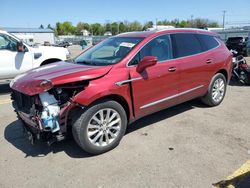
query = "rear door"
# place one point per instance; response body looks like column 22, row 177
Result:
column 194, row 65
column 157, row 86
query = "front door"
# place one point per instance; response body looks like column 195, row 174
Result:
column 157, row 86
column 13, row 62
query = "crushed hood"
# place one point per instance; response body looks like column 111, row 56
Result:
column 58, row 73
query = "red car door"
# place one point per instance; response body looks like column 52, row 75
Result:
column 195, row 66
column 157, row 86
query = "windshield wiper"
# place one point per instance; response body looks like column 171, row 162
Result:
column 70, row 60
column 86, row 62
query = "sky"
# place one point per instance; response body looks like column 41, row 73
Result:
column 32, row 13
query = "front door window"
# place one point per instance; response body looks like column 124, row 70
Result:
column 7, row 43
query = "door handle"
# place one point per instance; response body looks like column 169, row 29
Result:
column 209, row 61
column 171, row 69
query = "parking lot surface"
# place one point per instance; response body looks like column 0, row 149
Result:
column 189, row 145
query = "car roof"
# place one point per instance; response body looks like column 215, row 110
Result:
column 2, row 31
column 145, row 34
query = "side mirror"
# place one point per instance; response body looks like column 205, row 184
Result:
column 147, row 61
column 20, row 47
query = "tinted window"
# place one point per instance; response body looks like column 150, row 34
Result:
column 208, row 42
column 185, row 44
column 159, row 47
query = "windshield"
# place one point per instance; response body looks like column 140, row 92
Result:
column 108, row 52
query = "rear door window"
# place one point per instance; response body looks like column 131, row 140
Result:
column 185, row 44
column 208, row 42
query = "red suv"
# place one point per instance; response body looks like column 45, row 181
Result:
column 118, row 81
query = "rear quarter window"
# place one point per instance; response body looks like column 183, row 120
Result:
column 185, row 44
column 208, row 42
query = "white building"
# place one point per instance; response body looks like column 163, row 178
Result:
column 85, row 32
column 33, row 35
column 108, row 33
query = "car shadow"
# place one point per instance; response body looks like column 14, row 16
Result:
column 164, row 114
column 14, row 133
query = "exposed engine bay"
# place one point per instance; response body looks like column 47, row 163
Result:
column 51, row 112
column 45, row 115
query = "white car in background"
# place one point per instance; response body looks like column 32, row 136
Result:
column 17, row 57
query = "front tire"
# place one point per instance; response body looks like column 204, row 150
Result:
column 216, row 91
column 100, row 127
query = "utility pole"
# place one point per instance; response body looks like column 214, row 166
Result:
column 192, row 16
column 223, row 23
column 118, row 25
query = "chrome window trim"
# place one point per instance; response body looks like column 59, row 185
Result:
column 170, row 97
column 219, row 44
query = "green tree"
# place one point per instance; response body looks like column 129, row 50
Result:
column 108, row 27
column 97, row 29
column 81, row 26
column 114, row 28
column 135, row 26
column 213, row 24
column 147, row 25
column 184, row 23
column 68, row 28
column 122, row 27
column 203, row 23
column 58, row 29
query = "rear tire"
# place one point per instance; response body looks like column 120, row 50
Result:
column 100, row 127
column 216, row 91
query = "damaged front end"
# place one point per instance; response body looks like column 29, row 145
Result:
column 45, row 115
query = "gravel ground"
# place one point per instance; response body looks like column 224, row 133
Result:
column 186, row 146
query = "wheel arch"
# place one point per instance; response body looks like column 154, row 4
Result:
column 224, row 72
column 118, row 98
column 51, row 60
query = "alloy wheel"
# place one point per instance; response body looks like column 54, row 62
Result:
column 104, row 127
column 218, row 90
